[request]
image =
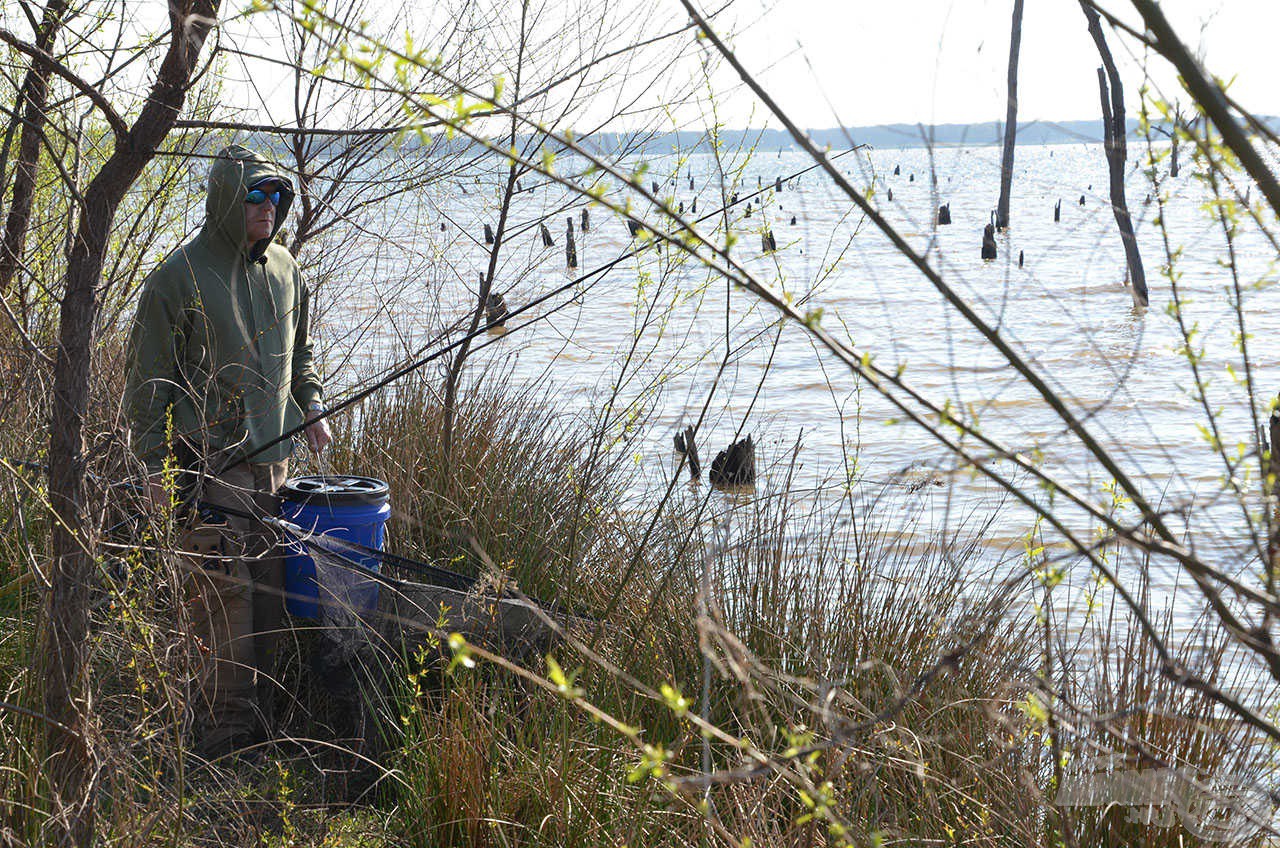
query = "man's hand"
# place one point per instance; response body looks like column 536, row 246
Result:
column 318, row 436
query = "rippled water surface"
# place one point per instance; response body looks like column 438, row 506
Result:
column 654, row 328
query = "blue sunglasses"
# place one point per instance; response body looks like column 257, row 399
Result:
column 257, row 196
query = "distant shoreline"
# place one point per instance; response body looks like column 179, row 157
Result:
column 894, row 136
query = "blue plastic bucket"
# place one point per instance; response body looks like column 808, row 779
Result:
column 353, row 509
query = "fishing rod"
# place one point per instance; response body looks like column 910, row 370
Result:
column 444, row 577
column 344, row 550
column 412, row 366
column 347, row 551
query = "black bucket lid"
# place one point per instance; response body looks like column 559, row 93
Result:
column 335, row 489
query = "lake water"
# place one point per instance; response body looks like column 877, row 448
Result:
column 655, row 328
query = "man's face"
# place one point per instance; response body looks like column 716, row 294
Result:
column 260, row 218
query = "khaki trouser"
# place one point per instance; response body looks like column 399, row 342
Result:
column 236, row 594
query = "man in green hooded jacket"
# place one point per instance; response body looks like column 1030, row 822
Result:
column 220, row 364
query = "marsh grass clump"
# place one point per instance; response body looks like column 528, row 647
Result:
column 517, row 492
column 1173, row 767
column 818, row 617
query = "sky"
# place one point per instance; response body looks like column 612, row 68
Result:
column 833, row 62
column 863, row 62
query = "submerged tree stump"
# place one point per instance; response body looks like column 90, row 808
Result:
column 495, row 310
column 586, row 222
column 570, row 249
column 686, row 446
column 735, row 465
column 944, row 214
column 547, row 240
column 488, row 234
column 1057, row 211
column 989, row 241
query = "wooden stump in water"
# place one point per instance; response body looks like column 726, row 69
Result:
column 442, row 226
column 777, row 184
column 944, row 214
column 495, row 310
column 793, row 220
column 1057, row 211
column 989, row 241
column 488, row 234
column 911, row 178
column 768, row 244
column 1022, row 256
column 1082, row 200
column 547, row 240
column 897, row 170
column 633, row 228
column 586, row 222
column 735, row 465
column 570, row 249
column 685, row 445
column 694, row 209
column 890, row 195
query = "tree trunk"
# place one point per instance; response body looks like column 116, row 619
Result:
column 1011, row 121
column 1113, row 126
column 1174, row 140
column 32, row 101
column 65, row 640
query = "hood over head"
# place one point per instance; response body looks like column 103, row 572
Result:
column 234, row 171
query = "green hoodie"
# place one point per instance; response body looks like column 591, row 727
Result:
column 220, row 349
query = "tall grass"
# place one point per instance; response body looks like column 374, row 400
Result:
column 865, row 686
